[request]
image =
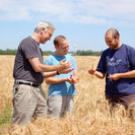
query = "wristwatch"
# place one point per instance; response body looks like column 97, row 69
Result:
column 57, row 73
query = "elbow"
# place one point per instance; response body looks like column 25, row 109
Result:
column 47, row 81
column 102, row 77
column 37, row 68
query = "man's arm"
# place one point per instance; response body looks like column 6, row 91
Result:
column 49, row 74
column 39, row 67
column 55, row 80
column 96, row 73
column 72, row 79
column 129, row 74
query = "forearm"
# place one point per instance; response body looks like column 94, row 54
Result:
column 129, row 74
column 47, row 68
column 99, row 74
column 49, row 74
column 39, row 67
column 53, row 80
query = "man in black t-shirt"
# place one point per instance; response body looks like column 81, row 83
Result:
column 29, row 72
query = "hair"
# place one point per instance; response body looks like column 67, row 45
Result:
column 115, row 33
column 43, row 25
column 58, row 39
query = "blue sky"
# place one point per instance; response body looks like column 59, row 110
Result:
column 83, row 22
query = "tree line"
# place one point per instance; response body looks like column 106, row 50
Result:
column 78, row 52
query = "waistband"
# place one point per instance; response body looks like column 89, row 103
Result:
column 24, row 82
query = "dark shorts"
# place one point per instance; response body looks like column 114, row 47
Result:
column 127, row 101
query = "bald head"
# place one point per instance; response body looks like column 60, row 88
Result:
column 114, row 32
column 61, row 45
column 112, row 38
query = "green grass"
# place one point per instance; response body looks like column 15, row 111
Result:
column 5, row 118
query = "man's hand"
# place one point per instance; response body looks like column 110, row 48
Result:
column 98, row 74
column 73, row 79
column 114, row 77
column 64, row 67
column 65, row 64
column 92, row 71
column 65, row 71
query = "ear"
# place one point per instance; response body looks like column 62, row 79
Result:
column 57, row 46
column 41, row 32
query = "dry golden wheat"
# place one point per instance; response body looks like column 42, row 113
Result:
column 91, row 114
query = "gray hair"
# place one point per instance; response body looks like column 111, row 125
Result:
column 43, row 25
column 115, row 33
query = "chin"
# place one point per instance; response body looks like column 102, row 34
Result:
column 43, row 42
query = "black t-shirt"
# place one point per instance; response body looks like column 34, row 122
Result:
column 23, row 70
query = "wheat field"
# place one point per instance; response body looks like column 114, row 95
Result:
column 91, row 115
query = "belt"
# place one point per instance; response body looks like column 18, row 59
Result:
column 26, row 83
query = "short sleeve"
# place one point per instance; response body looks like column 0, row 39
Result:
column 48, row 61
column 30, row 49
column 74, row 63
column 102, row 63
column 131, row 57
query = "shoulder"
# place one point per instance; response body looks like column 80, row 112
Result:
column 69, row 56
column 28, row 42
column 49, row 60
column 128, row 47
column 50, row 57
column 130, row 50
column 105, row 52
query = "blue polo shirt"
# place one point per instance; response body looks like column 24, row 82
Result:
column 118, row 61
column 64, row 88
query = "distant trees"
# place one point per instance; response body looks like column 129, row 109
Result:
column 7, row 52
column 87, row 53
column 78, row 52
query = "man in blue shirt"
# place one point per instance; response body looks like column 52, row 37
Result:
column 117, row 65
column 61, row 87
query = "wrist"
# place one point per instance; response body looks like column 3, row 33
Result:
column 65, row 79
column 57, row 73
column 120, row 75
column 95, row 72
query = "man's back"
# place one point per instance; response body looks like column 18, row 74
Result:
column 23, row 70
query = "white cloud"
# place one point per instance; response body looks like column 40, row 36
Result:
column 78, row 11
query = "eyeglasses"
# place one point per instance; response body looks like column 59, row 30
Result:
column 64, row 47
column 48, row 32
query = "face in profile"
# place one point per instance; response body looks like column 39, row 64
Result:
column 63, row 47
column 46, row 35
column 112, row 41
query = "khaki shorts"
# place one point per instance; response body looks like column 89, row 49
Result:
column 28, row 102
column 58, row 106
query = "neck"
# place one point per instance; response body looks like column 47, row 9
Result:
column 57, row 53
column 35, row 37
column 119, row 45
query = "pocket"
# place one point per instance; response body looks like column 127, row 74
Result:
column 15, row 89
